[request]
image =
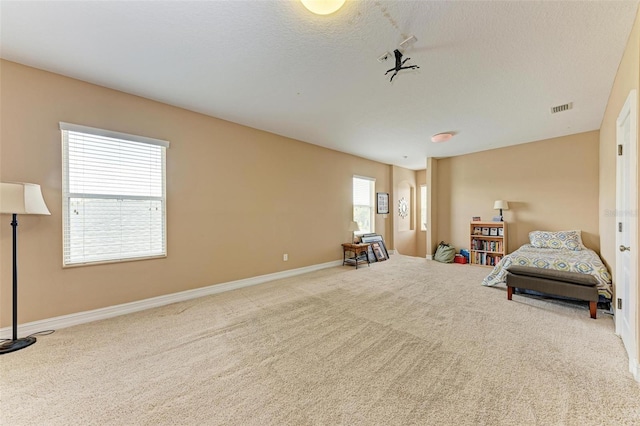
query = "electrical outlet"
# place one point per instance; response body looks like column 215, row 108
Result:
column 285, row 257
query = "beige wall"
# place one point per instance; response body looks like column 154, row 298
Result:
column 404, row 185
column 237, row 198
column 627, row 78
column 550, row 185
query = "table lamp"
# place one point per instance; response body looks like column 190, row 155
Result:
column 353, row 227
column 501, row 205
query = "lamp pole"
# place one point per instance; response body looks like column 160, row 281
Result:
column 14, row 225
column 15, row 344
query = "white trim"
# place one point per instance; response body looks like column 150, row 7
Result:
column 429, row 257
column 111, row 134
column 634, row 368
column 372, row 179
column 78, row 318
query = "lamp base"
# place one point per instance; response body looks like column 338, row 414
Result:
column 16, row 345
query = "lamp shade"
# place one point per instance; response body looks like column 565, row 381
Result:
column 501, row 204
column 353, row 226
column 22, row 198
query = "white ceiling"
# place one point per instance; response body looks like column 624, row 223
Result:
column 489, row 70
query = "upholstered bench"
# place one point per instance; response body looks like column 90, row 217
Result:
column 557, row 283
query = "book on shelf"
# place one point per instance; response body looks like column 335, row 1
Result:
column 483, row 245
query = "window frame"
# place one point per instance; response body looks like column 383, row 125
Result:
column 372, row 206
column 423, row 207
column 65, row 128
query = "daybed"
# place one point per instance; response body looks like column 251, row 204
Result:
column 561, row 251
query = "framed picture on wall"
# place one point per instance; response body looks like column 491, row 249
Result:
column 382, row 203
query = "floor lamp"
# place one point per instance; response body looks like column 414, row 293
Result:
column 15, row 199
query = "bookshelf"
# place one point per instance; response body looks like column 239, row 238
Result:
column 488, row 243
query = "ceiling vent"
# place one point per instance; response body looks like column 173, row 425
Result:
column 408, row 42
column 561, row 108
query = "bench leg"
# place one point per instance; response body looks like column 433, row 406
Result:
column 593, row 309
column 509, row 292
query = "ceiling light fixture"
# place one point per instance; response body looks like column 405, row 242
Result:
column 323, row 7
column 441, row 137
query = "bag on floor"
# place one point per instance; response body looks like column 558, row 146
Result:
column 445, row 253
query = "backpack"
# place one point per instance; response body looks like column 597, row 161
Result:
column 444, row 253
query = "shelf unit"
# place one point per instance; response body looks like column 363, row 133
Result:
column 487, row 243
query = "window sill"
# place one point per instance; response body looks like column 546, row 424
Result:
column 107, row 262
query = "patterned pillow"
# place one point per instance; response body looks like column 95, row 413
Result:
column 570, row 240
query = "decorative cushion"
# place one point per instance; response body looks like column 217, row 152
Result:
column 570, row 240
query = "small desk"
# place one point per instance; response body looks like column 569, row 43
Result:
column 356, row 249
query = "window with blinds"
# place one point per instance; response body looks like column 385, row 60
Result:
column 423, row 207
column 114, row 197
column 363, row 203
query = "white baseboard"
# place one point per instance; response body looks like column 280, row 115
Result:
column 634, row 368
column 64, row 321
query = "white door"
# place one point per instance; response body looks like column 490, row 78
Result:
column 626, row 228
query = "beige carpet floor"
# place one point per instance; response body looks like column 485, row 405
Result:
column 406, row 341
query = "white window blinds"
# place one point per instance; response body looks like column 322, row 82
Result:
column 363, row 211
column 423, row 207
column 114, row 200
